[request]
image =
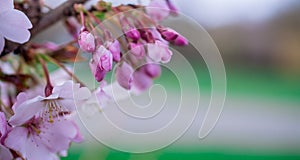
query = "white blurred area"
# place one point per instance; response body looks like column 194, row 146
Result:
column 215, row 13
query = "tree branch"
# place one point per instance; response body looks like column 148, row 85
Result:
column 48, row 19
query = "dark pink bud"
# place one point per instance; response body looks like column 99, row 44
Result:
column 86, row 41
column 132, row 33
column 173, row 36
column 124, row 75
column 181, row 41
column 169, row 34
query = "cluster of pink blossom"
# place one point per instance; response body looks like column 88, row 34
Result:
column 145, row 47
column 37, row 122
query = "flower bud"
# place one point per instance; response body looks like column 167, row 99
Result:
column 152, row 70
column 114, row 48
column 104, row 58
column 132, row 33
column 86, row 41
column 159, row 52
column 124, row 75
column 141, row 81
column 181, row 41
column 137, row 49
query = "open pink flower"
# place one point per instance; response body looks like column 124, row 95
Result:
column 42, row 126
column 62, row 100
column 5, row 154
column 14, row 24
column 159, row 52
column 39, row 139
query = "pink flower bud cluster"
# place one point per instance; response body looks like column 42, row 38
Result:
column 139, row 64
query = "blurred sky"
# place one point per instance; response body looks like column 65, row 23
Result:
column 214, row 13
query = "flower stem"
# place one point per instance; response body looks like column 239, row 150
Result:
column 49, row 87
column 54, row 61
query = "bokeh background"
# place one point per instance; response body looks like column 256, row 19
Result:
column 259, row 41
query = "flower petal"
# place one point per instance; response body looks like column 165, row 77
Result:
column 124, row 75
column 17, row 19
column 6, row 5
column 28, row 145
column 2, row 43
column 5, row 154
column 58, row 135
column 27, row 110
column 16, row 139
column 16, row 26
column 3, row 125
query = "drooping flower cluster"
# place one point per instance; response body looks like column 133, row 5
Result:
column 37, row 107
column 144, row 45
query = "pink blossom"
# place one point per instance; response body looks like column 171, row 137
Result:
column 62, row 100
column 14, row 24
column 180, row 41
column 152, row 70
column 5, row 154
column 39, row 139
column 101, row 63
column 132, row 33
column 159, row 52
column 172, row 7
column 173, row 36
column 141, row 81
column 124, row 75
column 86, row 41
column 104, row 58
column 158, row 10
column 137, row 49
column 114, row 48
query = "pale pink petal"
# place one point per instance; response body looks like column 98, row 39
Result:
column 153, row 70
column 5, row 154
column 78, row 138
column 6, row 5
column 15, row 27
column 66, row 90
column 16, row 140
column 158, row 10
column 27, row 110
column 2, row 43
column 155, row 52
column 67, row 104
column 58, row 135
column 28, row 145
column 115, row 49
column 17, row 19
column 141, row 81
column 22, row 97
column 124, row 75
column 82, row 94
column 3, row 125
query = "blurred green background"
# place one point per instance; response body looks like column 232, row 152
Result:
column 260, row 44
